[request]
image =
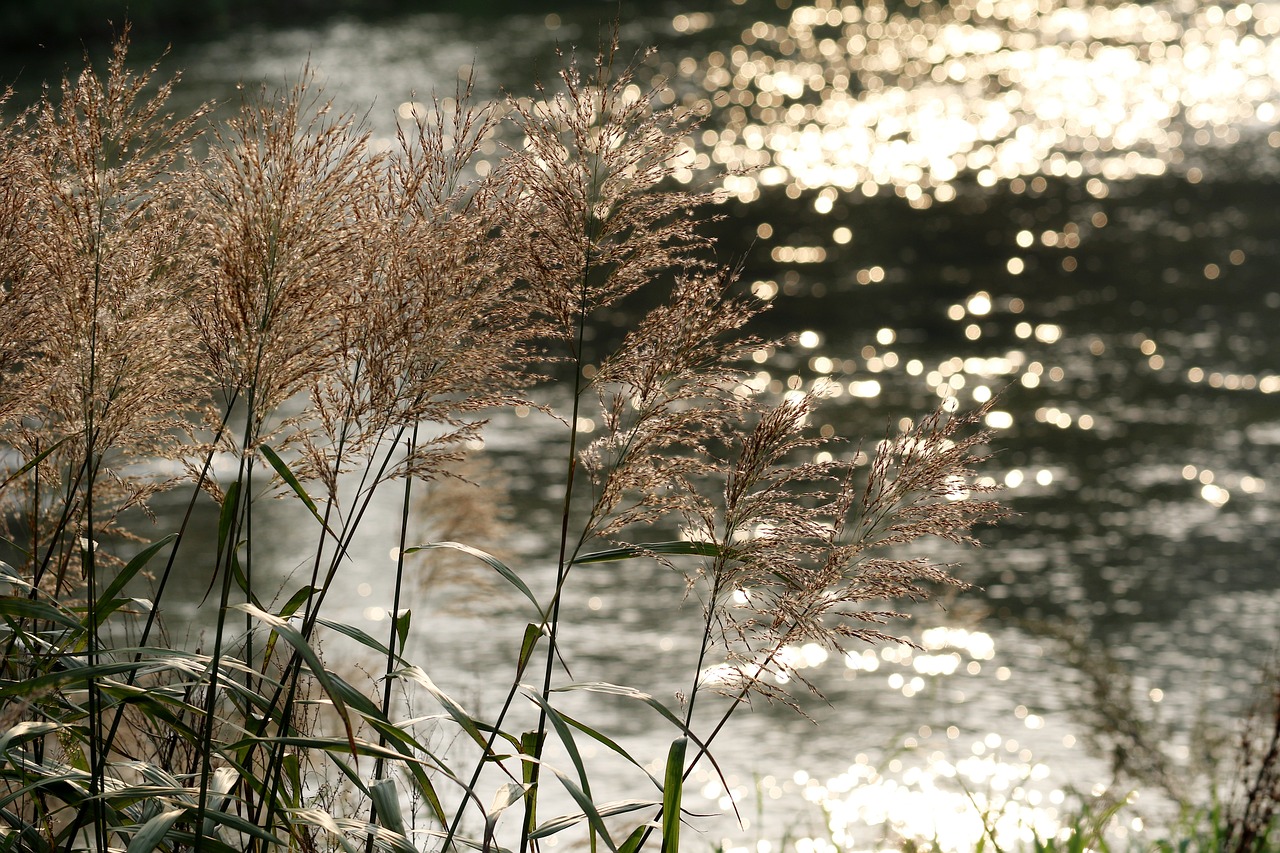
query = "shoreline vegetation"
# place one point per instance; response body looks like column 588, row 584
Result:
column 327, row 322
column 294, row 315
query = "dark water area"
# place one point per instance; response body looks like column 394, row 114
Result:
column 1072, row 207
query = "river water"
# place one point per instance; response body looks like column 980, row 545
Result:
column 1072, row 205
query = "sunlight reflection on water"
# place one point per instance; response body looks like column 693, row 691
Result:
column 928, row 788
column 858, row 97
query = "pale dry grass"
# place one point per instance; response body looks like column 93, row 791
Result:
column 98, row 253
column 332, row 319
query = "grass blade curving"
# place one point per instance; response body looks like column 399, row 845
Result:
column 672, row 788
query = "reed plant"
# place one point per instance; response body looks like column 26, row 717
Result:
column 295, row 312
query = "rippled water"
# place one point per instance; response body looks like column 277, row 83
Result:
column 1072, row 205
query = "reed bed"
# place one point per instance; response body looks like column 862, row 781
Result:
column 330, row 323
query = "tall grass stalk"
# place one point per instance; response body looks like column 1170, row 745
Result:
column 301, row 314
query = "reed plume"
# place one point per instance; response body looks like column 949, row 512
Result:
column 815, row 551
column 97, row 250
column 283, row 201
column 18, row 349
column 591, row 214
column 438, row 329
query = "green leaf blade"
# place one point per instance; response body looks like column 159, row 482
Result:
column 673, row 548
column 672, row 788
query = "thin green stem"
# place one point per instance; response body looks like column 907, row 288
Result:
column 393, row 634
column 289, row 684
column 704, row 646
column 227, row 555
column 154, row 611
column 88, row 389
column 562, row 559
column 294, row 665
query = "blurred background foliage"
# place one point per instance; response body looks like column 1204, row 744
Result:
column 28, row 26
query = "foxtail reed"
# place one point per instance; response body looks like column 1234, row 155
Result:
column 299, row 313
